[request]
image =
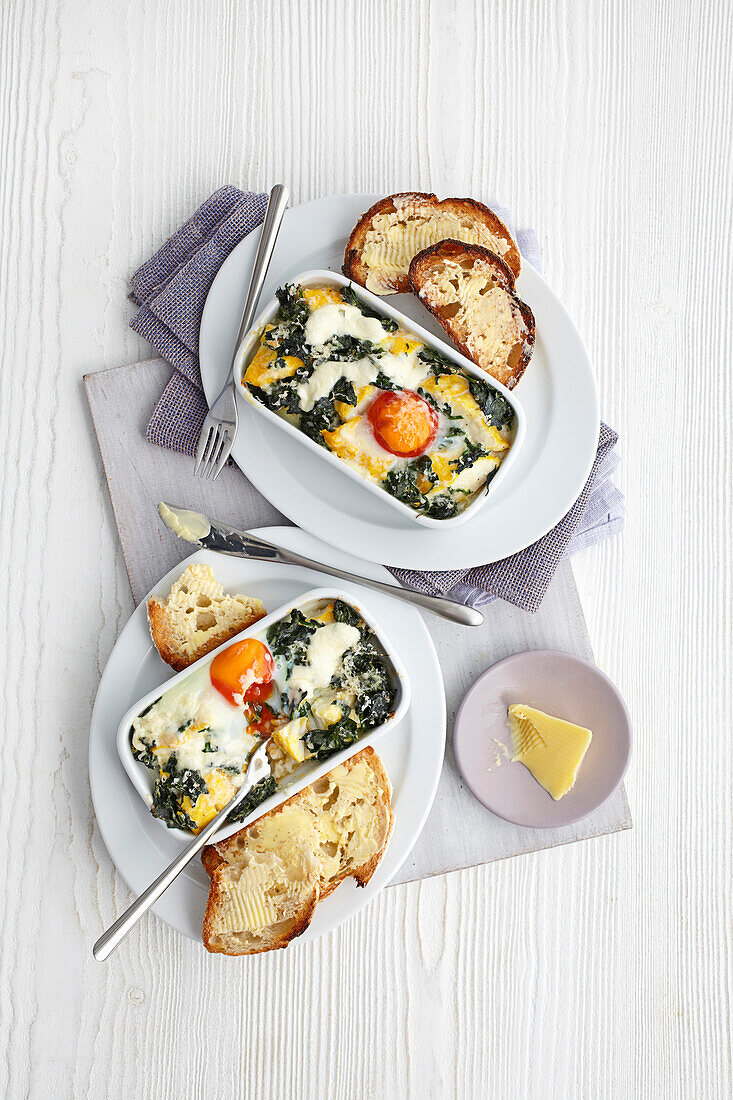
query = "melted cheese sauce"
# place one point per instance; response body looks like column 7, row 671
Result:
column 324, row 657
column 193, row 727
column 396, row 356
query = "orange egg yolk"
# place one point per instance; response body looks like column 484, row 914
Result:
column 243, row 671
column 403, row 423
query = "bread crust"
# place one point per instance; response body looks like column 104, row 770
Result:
column 166, row 631
column 503, row 276
column 208, row 934
column 214, row 862
column 353, row 266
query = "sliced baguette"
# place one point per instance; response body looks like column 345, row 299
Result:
column 197, row 616
column 470, row 291
column 267, row 878
column 390, row 233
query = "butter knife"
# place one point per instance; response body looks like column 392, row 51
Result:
column 209, row 534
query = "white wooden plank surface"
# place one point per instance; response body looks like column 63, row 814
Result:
column 597, row 970
column 459, row 832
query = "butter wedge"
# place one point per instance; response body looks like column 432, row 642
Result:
column 550, row 748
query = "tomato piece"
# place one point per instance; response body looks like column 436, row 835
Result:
column 261, row 719
column 242, row 670
column 403, row 423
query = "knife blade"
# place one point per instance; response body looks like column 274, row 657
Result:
column 211, row 534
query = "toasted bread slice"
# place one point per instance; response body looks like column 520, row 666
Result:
column 470, row 291
column 197, row 616
column 265, row 877
column 385, row 239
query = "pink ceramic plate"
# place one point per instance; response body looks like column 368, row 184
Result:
column 559, row 684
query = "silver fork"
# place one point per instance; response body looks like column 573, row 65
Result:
column 220, row 426
column 258, row 768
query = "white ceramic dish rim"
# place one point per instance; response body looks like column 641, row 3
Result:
column 142, row 778
column 320, row 276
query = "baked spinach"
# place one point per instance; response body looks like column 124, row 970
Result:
column 172, row 786
column 493, row 405
column 343, row 613
column 364, row 666
column 343, row 390
column 256, row 796
column 349, row 296
column 145, row 755
column 290, row 637
column 281, row 395
column 401, row 483
column 437, row 363
column 441, row 507
column 470, row 454
column 384, row 383
column 323, row 743
column 321, row 418
column 346, row 349
column 294, row 309
column 423, row 467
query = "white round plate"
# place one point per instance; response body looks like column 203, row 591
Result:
column 412, row 752
column 557, row 392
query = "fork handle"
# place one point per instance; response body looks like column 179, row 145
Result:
column 276, row 206
column 116, row 933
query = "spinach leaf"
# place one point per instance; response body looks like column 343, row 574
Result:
column 144, row 755
column 344, row 613
column 438, row 363
column 172, row 786
column 400, row 483
column 343, row 390
column 321, row 418
column 208, row 747
column 490, row 477
column 322, row 743
column 368, row 675
column 349, row 296
column 470, row 453
column 441, row 507
column 424, row 467
column 349, row 348
column 281, row 395
column 293, row 306
column 256, row 796
column 290, row 637
column 444, row 409
column 384, row 383
column 493, row 405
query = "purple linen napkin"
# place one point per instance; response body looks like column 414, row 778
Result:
column 170, row 291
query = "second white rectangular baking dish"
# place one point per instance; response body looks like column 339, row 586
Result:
column 332, row 278
column 143, row 778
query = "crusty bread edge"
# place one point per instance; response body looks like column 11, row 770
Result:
column 215, row 893
column 169, row 651
column 352, row 266
column 212, row 861
column 452, row 248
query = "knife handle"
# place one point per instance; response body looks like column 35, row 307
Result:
column 438, row 605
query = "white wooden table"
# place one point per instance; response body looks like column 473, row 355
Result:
column 603, row 969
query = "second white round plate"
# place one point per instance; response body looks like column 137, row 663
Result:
column 558, row 394
column 412, row 751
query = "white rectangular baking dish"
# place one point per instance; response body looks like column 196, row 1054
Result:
column 332, row 278
column 143, row 778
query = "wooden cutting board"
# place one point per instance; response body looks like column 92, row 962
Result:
column 459, row 832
